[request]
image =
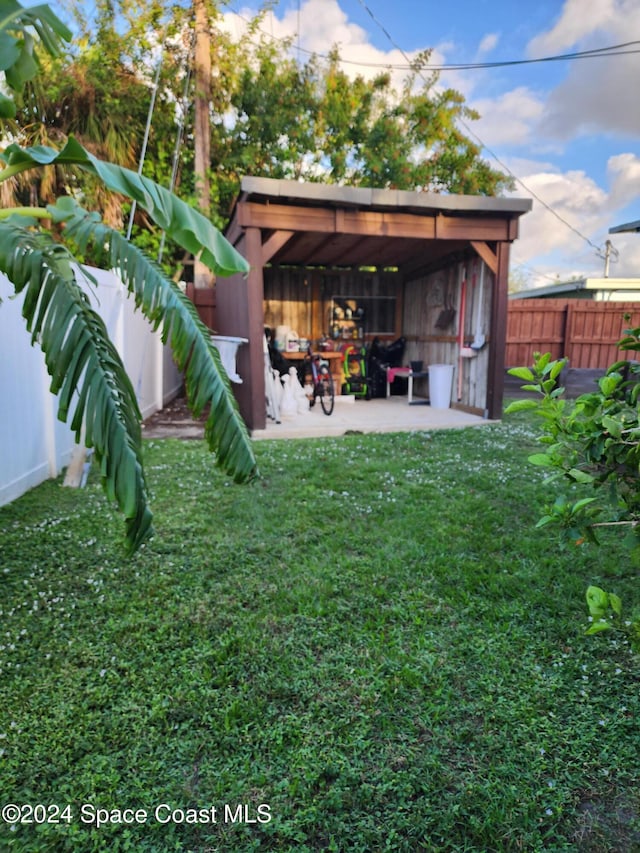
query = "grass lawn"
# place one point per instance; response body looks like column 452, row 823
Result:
column 369, row 649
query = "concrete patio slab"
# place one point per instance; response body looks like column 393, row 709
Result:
column 393, row 414
column 350, row 415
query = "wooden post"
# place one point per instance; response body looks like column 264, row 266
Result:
column 202, row 277
column 497, row 341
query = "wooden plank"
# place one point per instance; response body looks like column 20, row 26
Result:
column 536, row 325
column 588, row 338
column 486, row 254
column 499, row 312
column 372, row 223
column 467, row 228
column 274, row 243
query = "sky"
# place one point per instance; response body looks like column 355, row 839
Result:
column 567, row 131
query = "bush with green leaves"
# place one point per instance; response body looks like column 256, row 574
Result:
column 591, row 444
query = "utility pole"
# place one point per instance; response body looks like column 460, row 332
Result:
column 202, row 277
column 610, row 252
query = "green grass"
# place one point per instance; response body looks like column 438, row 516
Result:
column 372, row 640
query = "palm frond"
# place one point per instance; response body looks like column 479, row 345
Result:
column 85, row 368
column 17, row 46
column 165, row 305
column 187, row 226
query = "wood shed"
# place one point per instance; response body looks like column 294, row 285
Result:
column 337, row 263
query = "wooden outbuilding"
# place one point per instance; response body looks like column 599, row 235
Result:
column 343, row 262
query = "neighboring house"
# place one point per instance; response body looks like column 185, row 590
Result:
column 595, row 289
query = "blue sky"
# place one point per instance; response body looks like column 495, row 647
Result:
column 570, row 131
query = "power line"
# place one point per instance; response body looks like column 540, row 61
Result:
column 502, row 165
column 595, row 53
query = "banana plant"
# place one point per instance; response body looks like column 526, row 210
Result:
column 87, row 374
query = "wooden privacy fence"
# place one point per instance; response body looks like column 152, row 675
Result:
column 587, row 333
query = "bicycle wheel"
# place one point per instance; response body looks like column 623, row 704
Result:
column 325, row 390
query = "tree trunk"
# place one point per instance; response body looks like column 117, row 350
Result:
column 202, row 131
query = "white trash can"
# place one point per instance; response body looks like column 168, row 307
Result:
column 440, row 382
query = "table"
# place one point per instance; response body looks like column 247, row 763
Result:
column 406, row 373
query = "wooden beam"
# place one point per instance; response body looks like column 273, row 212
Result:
column 364, row 223
column 234, row 232
column 487, row 254
column 369, row 223
column 471, row 228
column 256, row 411
column 240, row 310
column 497, row 344
column 274, row 243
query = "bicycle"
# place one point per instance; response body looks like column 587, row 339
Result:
column 322, row 381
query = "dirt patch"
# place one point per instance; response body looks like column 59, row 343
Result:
column 174, row 421
column 611, row 824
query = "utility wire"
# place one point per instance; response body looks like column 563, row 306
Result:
column 594, row 53
column 599, row 249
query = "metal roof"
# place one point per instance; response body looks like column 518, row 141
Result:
column 621, row 229
column 364, row 197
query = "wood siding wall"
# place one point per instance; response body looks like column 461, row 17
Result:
column 425, row 301
column 586, row 333
column 302, row 298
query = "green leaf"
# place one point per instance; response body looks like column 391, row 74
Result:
column 580, row 476
column 541, row 459
column 25, row 66
column 83, row 362
column 521, row 406
column 609, row 383
column 597, row 601
column 581, row 504
column 9, row 49
column 556, row 368
column 597, row 628
column 166, row 306
column 542, row 362
column 522, row 373
column 7, row 107
column 189, row 228
column 613, row 427
column 616, row 603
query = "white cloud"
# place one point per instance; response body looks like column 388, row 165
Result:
column 550, row 245
column 579, row 19
column 577, row 201
column 320, row 25
column 508, row 118
column 600, row 99
column 488, row 43
column 597, row 95
column 623, row 171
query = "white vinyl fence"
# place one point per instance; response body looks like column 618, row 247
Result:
column 34, row 444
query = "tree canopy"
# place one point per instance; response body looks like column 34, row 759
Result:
column 271, row 115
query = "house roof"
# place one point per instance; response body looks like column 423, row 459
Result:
column 315, row 224
column 579, row 284
column 629, row 226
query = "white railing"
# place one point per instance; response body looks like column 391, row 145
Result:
column 34, row 444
